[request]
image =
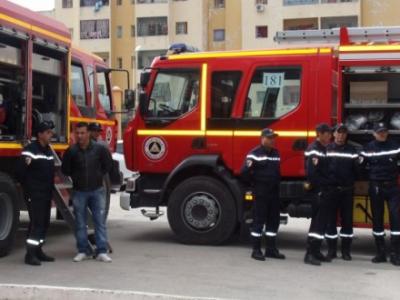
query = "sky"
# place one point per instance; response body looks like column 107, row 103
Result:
column 36, row 4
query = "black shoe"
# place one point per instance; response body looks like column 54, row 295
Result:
column 332, row 254
column 322, row 258
column 274, row 253
column 395, row 259
column 43, row 256
column 332, row 248
column 379, row 258
column 346, row 256
column 32, row 260
column 310, row 259
column 257, row 254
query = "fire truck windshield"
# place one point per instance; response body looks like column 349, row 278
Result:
column 174, row 93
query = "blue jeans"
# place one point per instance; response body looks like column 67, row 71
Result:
column 96, row 202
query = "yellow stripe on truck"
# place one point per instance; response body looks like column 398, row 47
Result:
column 282, row 133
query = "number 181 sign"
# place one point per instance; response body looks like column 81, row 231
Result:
column 273, row 80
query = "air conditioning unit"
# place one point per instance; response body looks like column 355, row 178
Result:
column 260, row 8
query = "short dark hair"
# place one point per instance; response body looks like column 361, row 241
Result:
column 82, row 124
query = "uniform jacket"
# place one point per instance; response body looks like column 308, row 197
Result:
column 381, row 158
column 317, row 165
column 262, row 166
column 35, row 170
column 343, row 164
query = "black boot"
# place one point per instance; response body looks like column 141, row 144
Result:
column 310, row 257
column 318, row 254
column 395, row 250
column 257, row 254
column 271, row 250
column 346, row 246
column 332, row 248
column 31, row 257
column 43, row 256
column 380, row 256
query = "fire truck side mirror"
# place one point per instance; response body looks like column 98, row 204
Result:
column 143, row 103
column 129, row 98
column 144, row 78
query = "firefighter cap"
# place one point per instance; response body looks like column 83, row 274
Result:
column 268, row 132
column 45, row 125
column 341, row 127
column 322, row 128
column 379, row 127
column 95, row 127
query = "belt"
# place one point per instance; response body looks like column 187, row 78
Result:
column 384, row 183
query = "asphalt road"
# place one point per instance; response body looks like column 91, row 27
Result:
column 146, row 258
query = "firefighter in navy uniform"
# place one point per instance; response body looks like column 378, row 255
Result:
column 36, row 174
column 343, row 163
column 381, row 157
column 262, row 169
column 318, row 176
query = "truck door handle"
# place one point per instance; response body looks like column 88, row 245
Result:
column 300, row 145
column 199, row 143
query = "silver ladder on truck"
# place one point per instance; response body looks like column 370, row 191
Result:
column 342, row 36
column 62, row 192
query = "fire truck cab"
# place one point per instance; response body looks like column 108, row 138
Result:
column 199, row 114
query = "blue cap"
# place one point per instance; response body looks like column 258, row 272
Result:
column 322, row 128
column 267, row 132
column 45, row 125
column 341, row 127
column 378, row 127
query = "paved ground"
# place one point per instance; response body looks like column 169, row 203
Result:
column 148, row 259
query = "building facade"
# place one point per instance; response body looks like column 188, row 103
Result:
column 130, row 33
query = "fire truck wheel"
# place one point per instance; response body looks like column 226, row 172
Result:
column 201, row 210
column 9, row 213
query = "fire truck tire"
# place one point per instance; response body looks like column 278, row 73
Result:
column 9, row 213
column 201, row 210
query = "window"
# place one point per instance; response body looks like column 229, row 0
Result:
column 119, row 62
column 299, row 2
column 78, row 92
column 334, row 22
column 300, row 24
column 261, row 32
column 96, row 3
column 119, row 32
column 119, row 2
column 145, row 58
column 103, row 89
column 219, row 3
column 152, row 26
column 273, row 92
column 133, row 30
column 219, row 35
column 174, row 93
column 265, row 2
column 151, row 1
column 181, row 27
column 337, row 1
column 67, row 3
column 223, row 92
column 95, row 29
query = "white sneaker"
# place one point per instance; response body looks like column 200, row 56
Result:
column 80, row 256
column 104, row 258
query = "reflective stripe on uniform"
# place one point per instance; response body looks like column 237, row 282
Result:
column 256, row 234
column 261, row 158
column 381, row 153
column 269, row 233
column 341, row 154
column 378, row 233
column 32, row 242
column 395, row 233
column 333, row 236
column 343, row 235
column 316, row 235
column 314, row 152
column 36, row 156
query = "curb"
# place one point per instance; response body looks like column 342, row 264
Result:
column 44, row 292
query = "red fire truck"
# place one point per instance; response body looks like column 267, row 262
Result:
column 43, row 78
column 199, row 114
